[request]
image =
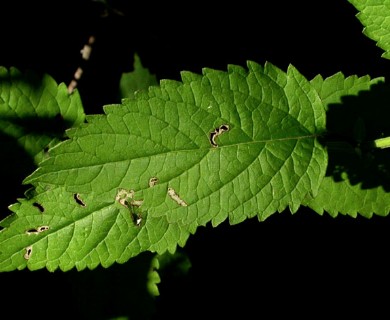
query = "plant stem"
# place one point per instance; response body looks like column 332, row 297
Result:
column 381, row 143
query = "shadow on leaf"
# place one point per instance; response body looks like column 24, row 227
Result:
column 16, row 165
column 352, row 125
column 53, row 127
column 23, row 146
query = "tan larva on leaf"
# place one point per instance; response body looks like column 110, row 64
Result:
column 78, row 200
column 28, row 253
column 153, row 181
column 137, row 203
column 125, row 198
column 123, row 195
column 37, row 230
column 217, row 132
column 175, row 197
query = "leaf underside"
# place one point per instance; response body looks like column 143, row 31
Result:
column 143, row 176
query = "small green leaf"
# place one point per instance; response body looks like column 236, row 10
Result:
column 139, row 79
column 145, row 175
column 375, row 17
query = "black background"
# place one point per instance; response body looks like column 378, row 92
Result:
column 302, row 265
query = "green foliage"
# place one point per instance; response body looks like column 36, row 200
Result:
column 35, row 111
column 357, row 172
column 218, row 145
column 139, row 79
column 34, row 114
column 374, row 15
column 144, row 175
column 141, row 177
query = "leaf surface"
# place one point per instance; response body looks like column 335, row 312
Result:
column 148, row 172
column 35, row 111
column 138, row 79
column 375, row 17
column 345, row 189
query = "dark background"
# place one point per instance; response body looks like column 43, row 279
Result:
column 302, row 265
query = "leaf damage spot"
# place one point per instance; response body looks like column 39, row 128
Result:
column 39, row 206
column 78, row 200
column 153, row 181
column 175, row 197
column 137, row 219
column 123, row 196
column 28, row 252
column 37, row 230
column 217, row 132
column 126, row 199
column 136, row 203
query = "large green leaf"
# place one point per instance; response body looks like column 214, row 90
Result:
column 148, row 172
column 375, row 17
